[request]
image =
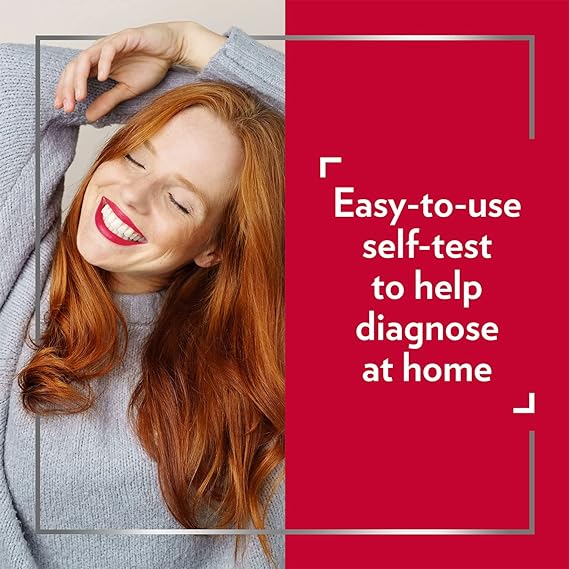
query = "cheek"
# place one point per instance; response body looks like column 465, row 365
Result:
column 89, row 203
column 173, row 234
column 90, row 200
column 189, row 241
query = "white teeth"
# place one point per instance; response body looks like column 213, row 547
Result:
column 116, row 226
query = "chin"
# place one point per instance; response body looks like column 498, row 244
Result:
column 91, row 251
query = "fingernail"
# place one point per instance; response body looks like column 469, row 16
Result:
column 67, row 105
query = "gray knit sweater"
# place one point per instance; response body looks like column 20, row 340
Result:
column 94, row 473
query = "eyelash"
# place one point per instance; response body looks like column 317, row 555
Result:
column 179, row 206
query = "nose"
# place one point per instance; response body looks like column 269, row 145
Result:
column 137, row 194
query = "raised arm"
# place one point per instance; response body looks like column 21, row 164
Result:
column 236, row 58
column 137, row 59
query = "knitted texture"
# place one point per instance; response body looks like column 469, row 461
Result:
column 94, row 473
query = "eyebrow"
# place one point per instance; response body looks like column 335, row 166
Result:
column 184, row 181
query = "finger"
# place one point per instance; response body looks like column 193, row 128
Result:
column 58, row 100
column 108, row 101
column 59, row 90
column 67, row 91
column 85, row 62
column 105, row 60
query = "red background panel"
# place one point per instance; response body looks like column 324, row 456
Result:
column 449, row 119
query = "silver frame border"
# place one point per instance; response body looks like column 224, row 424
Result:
column 424, row 531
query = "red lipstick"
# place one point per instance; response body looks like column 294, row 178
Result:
column 122, row 216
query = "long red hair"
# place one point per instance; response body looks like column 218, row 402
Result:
column 209, row 407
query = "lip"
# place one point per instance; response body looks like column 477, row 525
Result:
column 122, row 216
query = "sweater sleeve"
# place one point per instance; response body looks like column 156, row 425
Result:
column 245, row 62
column 241, row 60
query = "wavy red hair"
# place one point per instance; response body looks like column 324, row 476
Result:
column 209, row 406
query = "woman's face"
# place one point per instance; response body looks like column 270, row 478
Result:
column 132, row 223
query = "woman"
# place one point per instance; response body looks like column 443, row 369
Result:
column 159, row 373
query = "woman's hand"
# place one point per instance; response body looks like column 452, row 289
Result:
column 137, row 59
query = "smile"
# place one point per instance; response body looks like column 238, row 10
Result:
column 115, row 225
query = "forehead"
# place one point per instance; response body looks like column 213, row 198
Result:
column 199, row 146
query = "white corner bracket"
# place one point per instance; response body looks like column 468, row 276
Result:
column 324, row 160
column 530, row 409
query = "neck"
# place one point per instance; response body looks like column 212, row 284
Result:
column 123, row 284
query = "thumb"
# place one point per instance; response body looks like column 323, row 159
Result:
column 107, row 101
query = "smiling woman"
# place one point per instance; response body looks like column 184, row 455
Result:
column 148, row 191
column 159, row 369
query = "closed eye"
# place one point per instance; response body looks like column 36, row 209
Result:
column 131, row 159
column 181, row 207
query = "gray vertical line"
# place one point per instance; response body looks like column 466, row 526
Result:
column 531, row 45
column 532, row 482
column 283, row 555
column 38, row 268
column 38, row 493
